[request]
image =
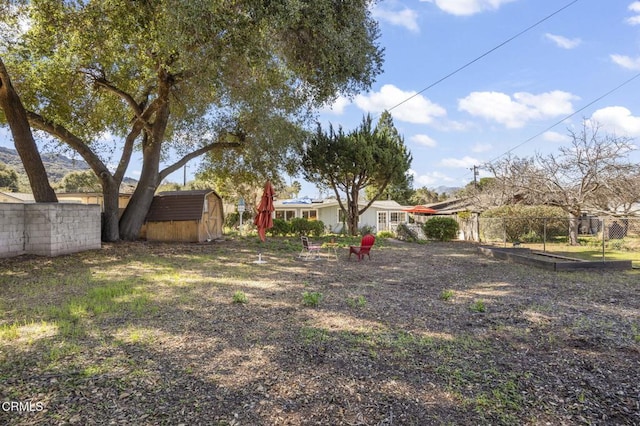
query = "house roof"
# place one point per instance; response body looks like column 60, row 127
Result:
column 330, row 202
column 20, row 196
column 178, row 205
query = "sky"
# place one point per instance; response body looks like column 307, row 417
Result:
column 468, row 81
column 517, row 94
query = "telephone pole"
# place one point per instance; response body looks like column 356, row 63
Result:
column 476, row 172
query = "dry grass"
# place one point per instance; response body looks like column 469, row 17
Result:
column 150, row 334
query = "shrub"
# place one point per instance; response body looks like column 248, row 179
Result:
column 366, row 229
column 231, row 220
column 525, row 223
column 302, row 226
column 386, row 234
column 441, row 228
column 280, row 228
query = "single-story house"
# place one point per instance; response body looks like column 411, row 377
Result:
column 66, row 197
column 16, row 197
column 381, row 215
column 190, row 216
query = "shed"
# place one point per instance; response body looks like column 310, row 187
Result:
column 190, row 216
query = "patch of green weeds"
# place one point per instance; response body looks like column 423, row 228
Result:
column 478, row 306
column 9, row 332
column 446, row 295
column 311, row 299
column 357, row 302
column 240, row 297
column 314, row 335
column 635, row 330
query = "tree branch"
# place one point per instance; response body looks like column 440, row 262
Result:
column 184, row 160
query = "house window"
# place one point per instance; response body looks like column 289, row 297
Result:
column 397, row 217
column 310, row 214
column 342, row 218
column 285, row 214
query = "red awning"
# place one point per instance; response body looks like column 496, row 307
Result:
column 421, row 209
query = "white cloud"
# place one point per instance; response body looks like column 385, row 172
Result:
column 337, row 107
column 430, row 179
column 467, row 7
column 634, row 7
column 618, row 119
column 626, row 62
column 418, row 109
column 563, row 42
column 406, row 17
column 465, row 162
column 555, row 137
column 481, row 147
column 423, row 140
column 516, row 111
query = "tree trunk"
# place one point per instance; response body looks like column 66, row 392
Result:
column 110, row 215
column 134, row 215
column 353, row 218
column 574, row 222
column 23, row 140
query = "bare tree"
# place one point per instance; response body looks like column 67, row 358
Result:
column 580, row 176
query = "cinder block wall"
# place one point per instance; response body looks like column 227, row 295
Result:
column 49, row 229
column 11, row 229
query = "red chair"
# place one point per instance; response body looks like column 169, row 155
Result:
column 364, row 248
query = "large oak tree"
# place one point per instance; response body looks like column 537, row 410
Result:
column 177, row 79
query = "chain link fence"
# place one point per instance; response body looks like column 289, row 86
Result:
column 592, row 236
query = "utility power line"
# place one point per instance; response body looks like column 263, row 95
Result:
column 598, row 99
column 510, row 39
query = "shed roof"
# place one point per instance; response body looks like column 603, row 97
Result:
column 178, row 205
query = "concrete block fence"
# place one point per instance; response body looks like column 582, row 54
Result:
column 48, row 229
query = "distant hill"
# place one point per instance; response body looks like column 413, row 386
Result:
column 57, row 165
column 449, row 190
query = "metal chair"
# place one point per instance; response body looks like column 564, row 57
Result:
column 309, row 251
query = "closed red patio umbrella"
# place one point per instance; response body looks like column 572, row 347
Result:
column 263, row 219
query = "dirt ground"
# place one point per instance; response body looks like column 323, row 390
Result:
column 429, row 334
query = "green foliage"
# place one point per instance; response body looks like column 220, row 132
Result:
column 441, row 228
column 366, row 229
column 447, row 295
column 478, row 306
column 84, row 181
column 426, row 196
column 240, row 297
column 357, row 302
column 280, row 228
column 236, row 79
column 311, row 299
column 351, row 162
column 8, row 178
column 386, row 234
column 231, row 220
column 302, row 226
column 525, row 223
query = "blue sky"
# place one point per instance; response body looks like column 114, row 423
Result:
column 512, row 94
column 503, row 99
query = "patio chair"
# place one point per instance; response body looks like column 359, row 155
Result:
column 365, row 247
column 309, row 251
